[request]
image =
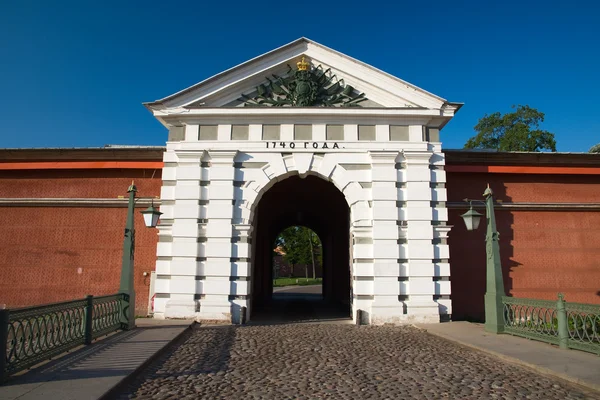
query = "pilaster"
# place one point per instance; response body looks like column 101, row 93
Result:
column 181, row 268
column 241, row 271
column 216, row 287
column 441, row 230
column 419, row 237
column 386, row 306
column 362, row 270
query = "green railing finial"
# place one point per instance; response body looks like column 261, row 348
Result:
column 131, row 188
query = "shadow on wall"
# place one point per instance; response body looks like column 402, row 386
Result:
column 468, row 250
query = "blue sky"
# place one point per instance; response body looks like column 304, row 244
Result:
column 74, row 73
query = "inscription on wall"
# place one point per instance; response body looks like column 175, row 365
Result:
column 301, row 145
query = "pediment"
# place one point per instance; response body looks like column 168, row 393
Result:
column 303, row 85
column 349, row 82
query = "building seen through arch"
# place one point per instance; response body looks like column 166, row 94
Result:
column 304, row 135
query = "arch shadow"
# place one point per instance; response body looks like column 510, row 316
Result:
column 316, row 203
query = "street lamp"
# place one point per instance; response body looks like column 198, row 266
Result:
column 494, row 320
column 151, row 216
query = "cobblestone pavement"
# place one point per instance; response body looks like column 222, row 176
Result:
column 315, row 361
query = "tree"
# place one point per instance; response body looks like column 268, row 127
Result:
column 301, row 246
column 314, row 244
column 595, row 148
column 290, row 241
column 516, row 131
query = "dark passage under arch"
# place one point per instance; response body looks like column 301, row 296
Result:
column 317, row 204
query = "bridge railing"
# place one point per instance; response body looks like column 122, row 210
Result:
column 568, row 325
column 33, row 334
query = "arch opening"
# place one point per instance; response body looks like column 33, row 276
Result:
column 297, row 261
column 312, row 203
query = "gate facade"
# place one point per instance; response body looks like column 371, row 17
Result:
column 304, row 110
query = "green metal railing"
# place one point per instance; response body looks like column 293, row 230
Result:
column 568, row 325
column 34, row 334
column 106, row 314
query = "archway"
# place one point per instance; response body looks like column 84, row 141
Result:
column 317, row 204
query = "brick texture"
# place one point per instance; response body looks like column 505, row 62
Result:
column 543, row 252
column 50, row 254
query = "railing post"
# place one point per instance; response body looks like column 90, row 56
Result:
column 563, row 324
column 126, row 312
column 89, row 316
column 4, row 321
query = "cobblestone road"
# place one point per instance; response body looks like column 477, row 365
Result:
column 315, row 361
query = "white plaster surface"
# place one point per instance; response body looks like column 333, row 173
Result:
column 209, row 197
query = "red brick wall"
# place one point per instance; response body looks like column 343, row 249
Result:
column 43, row 249
column 542, row 252
column 50, row 254
column 95, row 183
column 298, row 270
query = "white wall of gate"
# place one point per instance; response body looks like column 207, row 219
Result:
column 389, row 167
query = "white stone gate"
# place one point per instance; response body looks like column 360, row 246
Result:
column 384, row 156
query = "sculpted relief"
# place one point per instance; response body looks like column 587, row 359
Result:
column 305, row 87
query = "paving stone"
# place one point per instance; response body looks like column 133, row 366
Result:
column 321, row 361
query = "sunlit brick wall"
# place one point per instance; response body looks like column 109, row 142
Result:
column 50, row 254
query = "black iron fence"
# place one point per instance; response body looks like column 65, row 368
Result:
column 34, row 334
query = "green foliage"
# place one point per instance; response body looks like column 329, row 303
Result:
column 516, row 131
column 300, row 245
column 293, row 242
column 280, row 282
column 595, row 148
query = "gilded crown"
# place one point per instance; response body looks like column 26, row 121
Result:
column 303, row 65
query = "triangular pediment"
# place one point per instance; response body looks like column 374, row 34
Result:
column 303, row 85
column 233, row 88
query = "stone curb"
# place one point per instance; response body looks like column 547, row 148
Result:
column 534, row 367
column 118, row 387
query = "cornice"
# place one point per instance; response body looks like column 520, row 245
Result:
column 182, row 112
column 516, row 206
column 489, row 158
column 75, row 202
column 145, row 202
column 150, row 153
